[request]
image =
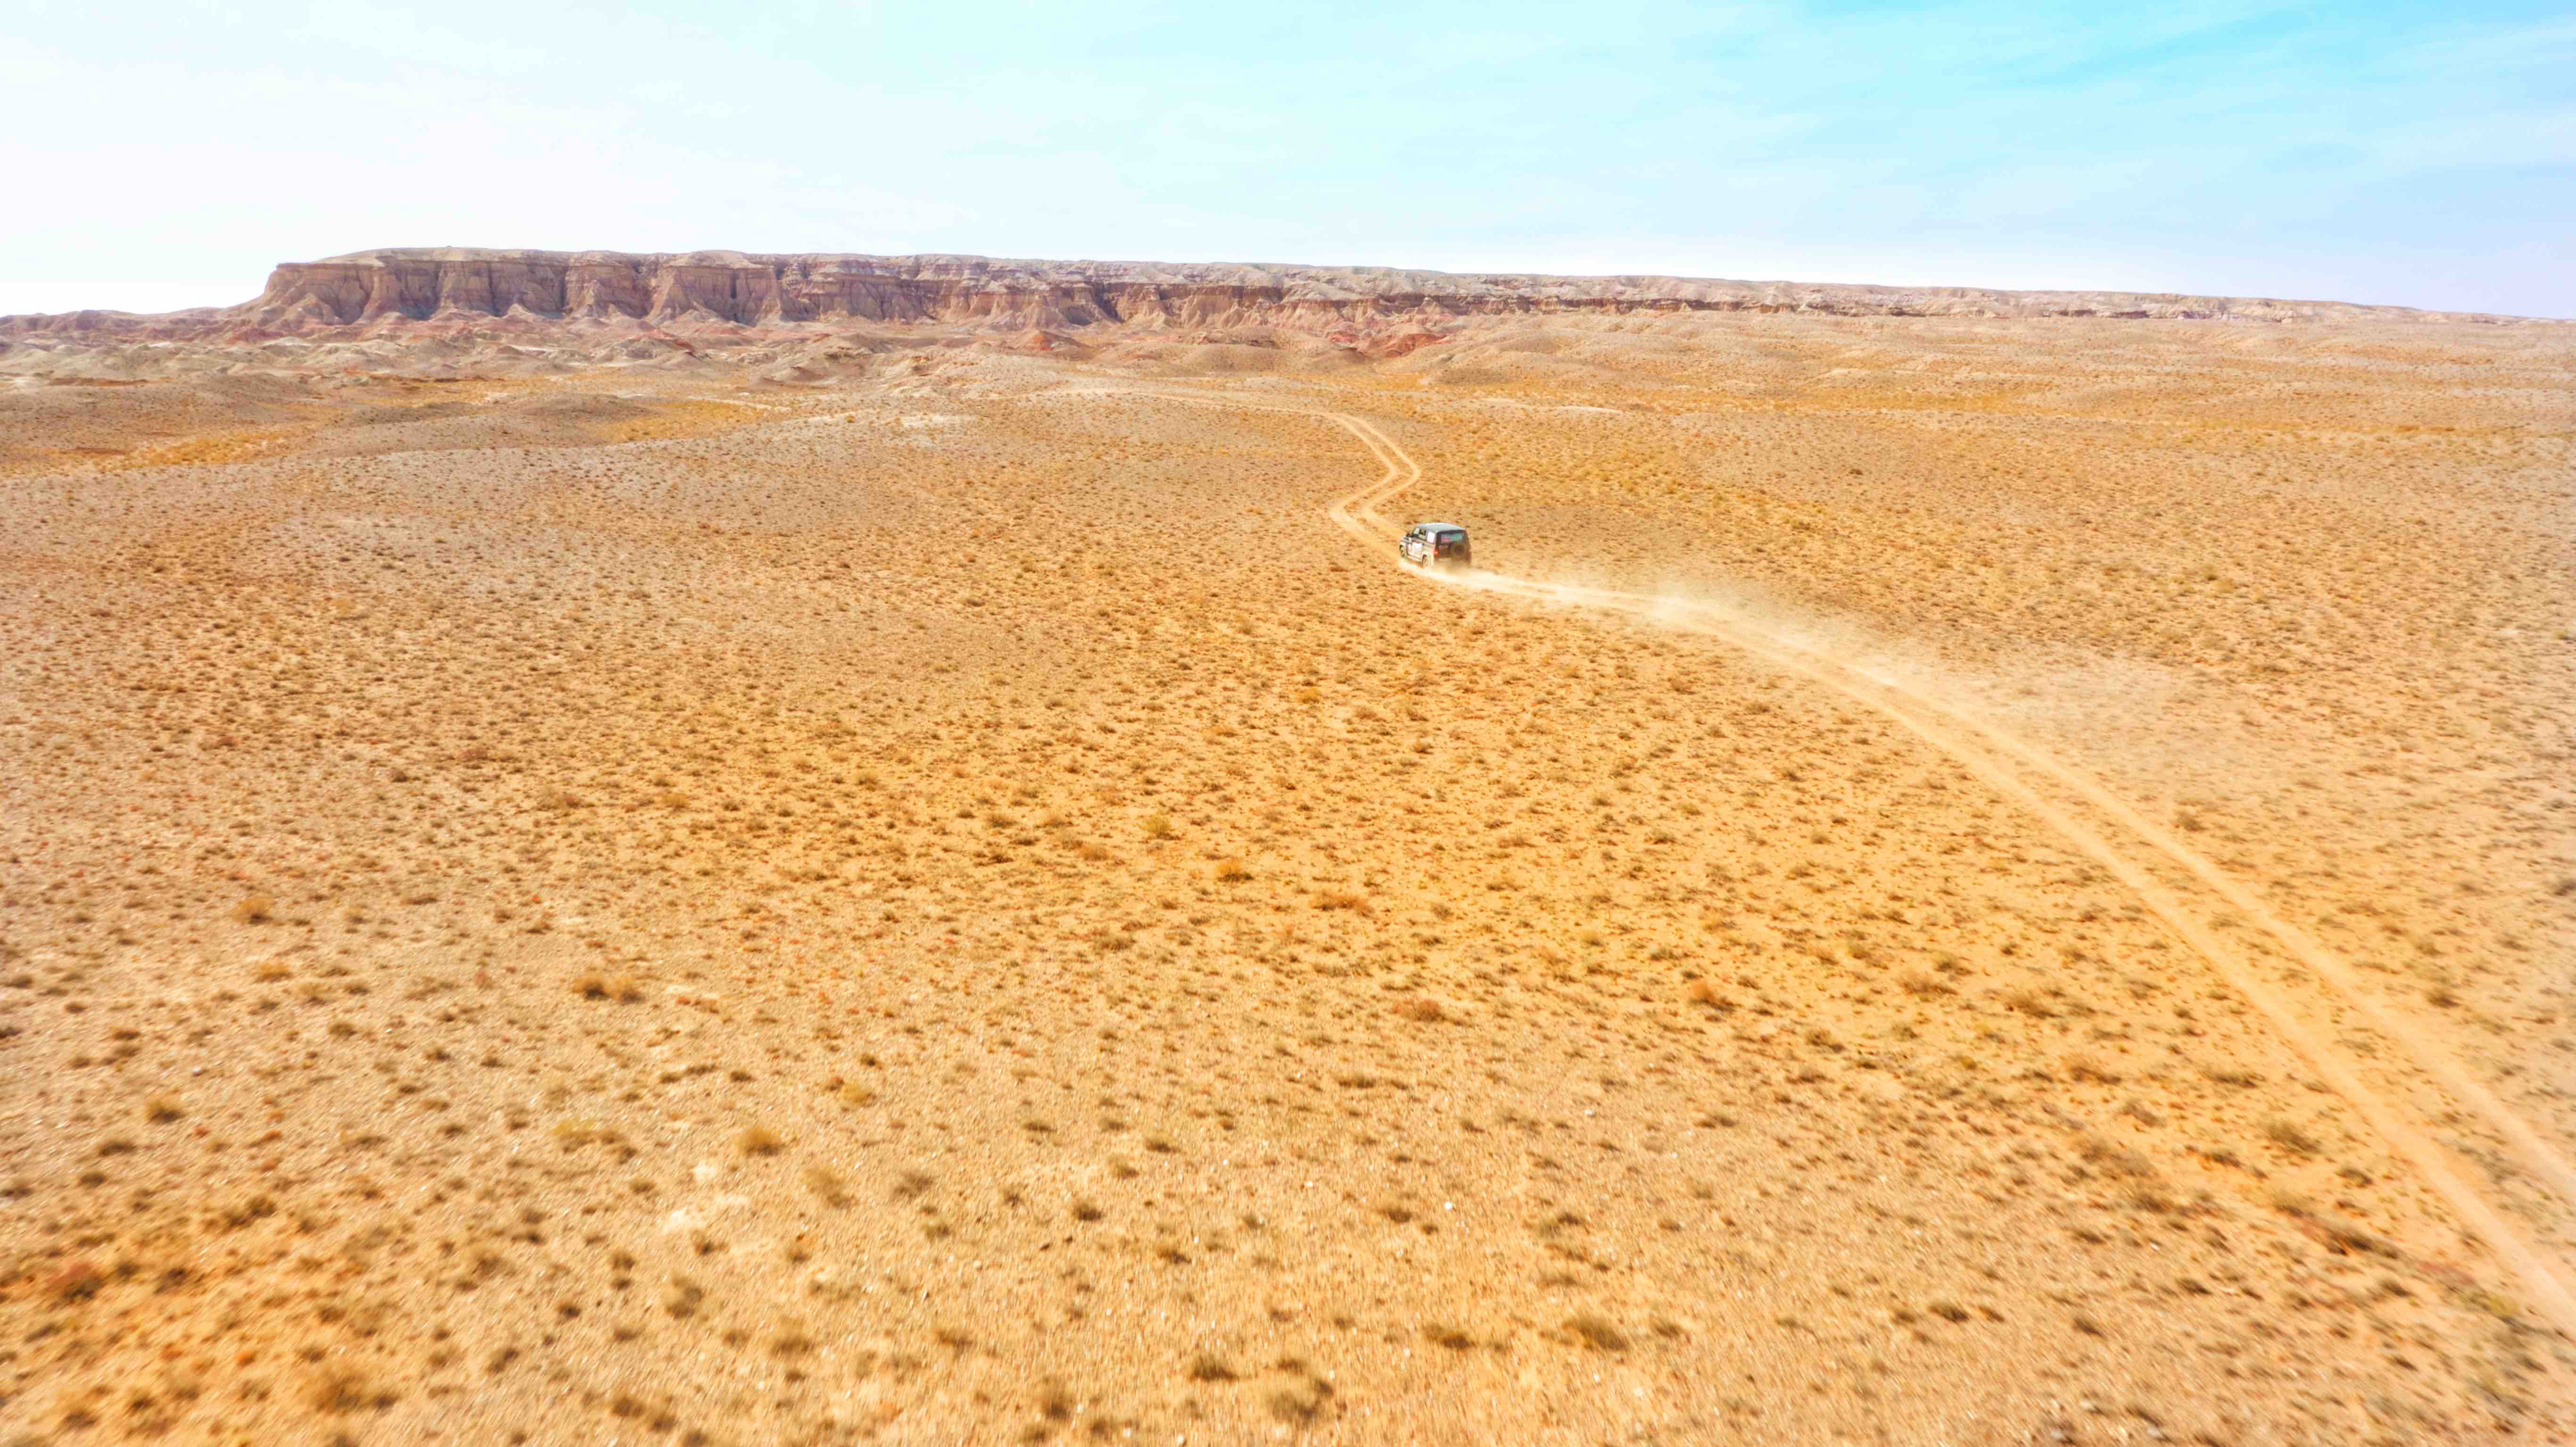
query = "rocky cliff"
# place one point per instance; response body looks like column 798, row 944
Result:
column 734, row 289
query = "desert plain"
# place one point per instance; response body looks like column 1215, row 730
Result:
column 1946, row 879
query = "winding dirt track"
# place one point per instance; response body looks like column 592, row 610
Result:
column 2149, row 859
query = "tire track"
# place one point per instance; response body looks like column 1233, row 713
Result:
column 2111, row 833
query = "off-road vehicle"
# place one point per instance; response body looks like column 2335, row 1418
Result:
column 1435, row 545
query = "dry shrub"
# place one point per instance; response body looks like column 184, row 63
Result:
column 1230, row 871
column 258, row 909
column 2115, row 1158
column 1299, row 1403
column 349, row 1389
column 2502, row 1308
column 1427, row 1012
column 2088, row 1067
column 683, row 1298
column 1597, row 1332
column 77, row 1282
column 1351, row 900
column 162, row 1109
column 759, row 1140
column 2288, row 1136
column 828, row 1185
column 2029, row 1002
column 1055, row 1400
column 596, row 986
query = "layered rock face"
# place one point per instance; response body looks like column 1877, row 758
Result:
column 726, row 287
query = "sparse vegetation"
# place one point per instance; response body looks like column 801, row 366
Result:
column 828, row 1185
column 2290, row 1137
column 1597, row 1332
column 682, row 972
column 624, row 989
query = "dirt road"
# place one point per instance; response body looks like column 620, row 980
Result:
column 2185, row 889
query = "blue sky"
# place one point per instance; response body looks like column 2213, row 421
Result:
column 167, row 154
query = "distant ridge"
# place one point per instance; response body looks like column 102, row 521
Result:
column 731, row 289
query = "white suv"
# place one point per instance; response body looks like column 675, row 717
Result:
column 1435, row 545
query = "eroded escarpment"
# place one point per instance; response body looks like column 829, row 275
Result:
column 393, row 286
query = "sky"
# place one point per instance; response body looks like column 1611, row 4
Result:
column 161, row 155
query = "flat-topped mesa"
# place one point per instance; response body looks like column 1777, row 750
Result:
column 744, row 290
column 757, row 290
column 717, row 289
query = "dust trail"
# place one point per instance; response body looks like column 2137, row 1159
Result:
column 2090, row 817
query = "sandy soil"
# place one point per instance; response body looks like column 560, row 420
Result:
column 1947, row 882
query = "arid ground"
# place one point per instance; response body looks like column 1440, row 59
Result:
column 1948, row 881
